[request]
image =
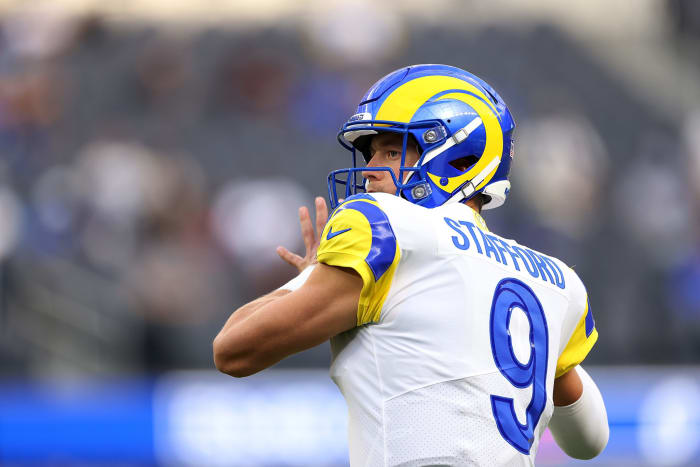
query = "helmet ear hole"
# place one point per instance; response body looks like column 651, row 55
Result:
column 464, row 163
column 481, row 200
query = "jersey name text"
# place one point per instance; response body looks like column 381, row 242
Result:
column 497, row 249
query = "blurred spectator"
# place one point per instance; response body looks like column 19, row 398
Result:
column 36, row 31
column 253, row 80
column 120, row 182
column 30, row 102
column 251, row 219
column 343, row 34
column 691, row 140
column 10, row 221
column 685, row 18
column 564, row 170
column 327, row 99
column 652, row 202
column 683, row 281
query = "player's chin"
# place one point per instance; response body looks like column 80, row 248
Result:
column 378, row 189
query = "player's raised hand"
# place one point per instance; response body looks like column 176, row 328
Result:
column 311, row 237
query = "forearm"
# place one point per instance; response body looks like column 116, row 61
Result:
column 222, row 342
column 250, row 308
column 290, row 322
column 233, row 341
column 581, row 428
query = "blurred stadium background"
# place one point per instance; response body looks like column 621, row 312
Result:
column 153, row 154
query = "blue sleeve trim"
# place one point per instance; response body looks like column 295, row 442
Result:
column 383, row 250
column 590, row 322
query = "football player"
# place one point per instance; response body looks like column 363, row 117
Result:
column 451, row 345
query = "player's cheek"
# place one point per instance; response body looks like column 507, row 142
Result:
column 395, row 166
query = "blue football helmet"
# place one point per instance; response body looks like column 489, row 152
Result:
column 454, row 118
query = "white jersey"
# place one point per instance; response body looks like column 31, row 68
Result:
column 460, row 335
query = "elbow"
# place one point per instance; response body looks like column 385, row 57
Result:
column 590, row 450
column 581, row 429
column 232, row 363
column 578, row 442
column 235, row 369
column 597, row 446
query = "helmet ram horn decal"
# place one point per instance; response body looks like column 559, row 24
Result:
column 452, row 116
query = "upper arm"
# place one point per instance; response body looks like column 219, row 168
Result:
column 581, row 427
column 567, row 388
column 359, row 236
column 358, row 256
column 323, row 307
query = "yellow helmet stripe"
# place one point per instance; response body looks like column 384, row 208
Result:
column 405, row 100
column 492, row 150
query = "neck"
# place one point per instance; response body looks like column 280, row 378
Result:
column 474, row 204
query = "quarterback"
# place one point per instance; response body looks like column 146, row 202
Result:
column 451, row 345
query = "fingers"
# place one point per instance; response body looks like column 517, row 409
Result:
column 307, row 229
column 311, row 237
column 321, row 217
column 289, row 257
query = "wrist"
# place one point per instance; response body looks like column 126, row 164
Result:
column 299, row 280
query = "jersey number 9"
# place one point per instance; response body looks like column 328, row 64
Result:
column 512, row 293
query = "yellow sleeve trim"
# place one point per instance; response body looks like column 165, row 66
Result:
column 578, row 346
column 373, row 293
column 361, row 238
column 480, row 222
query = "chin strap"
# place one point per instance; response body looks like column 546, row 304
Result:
column 468, row 190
